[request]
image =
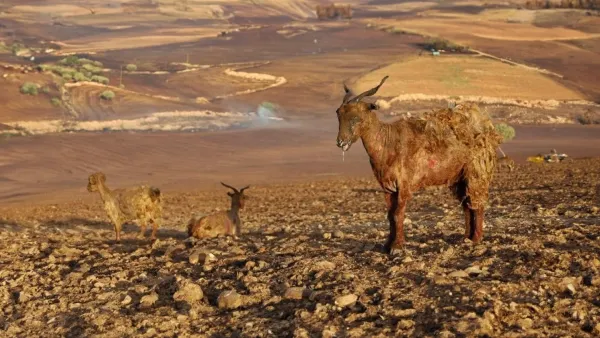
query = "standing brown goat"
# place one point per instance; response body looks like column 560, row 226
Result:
column 456, row 147
column 143, row 203
column 220, row 223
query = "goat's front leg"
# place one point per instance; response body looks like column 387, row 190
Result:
column 396, row 210
column 473, row 223
column 118, row 226
column 142, row 233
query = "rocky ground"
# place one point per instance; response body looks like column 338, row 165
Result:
column 309, row 265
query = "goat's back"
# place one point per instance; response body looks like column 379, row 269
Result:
column 139, row 201
column 211, row 225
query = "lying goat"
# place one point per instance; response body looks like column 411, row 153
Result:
column 455, row 147
column 220, row 223
column 142, row 203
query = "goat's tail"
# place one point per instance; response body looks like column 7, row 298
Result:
column 154, row 194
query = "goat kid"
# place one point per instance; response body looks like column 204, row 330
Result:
column 455, row 147
column 220, row 223
column 143, row 203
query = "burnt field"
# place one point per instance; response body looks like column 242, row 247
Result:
column 309, row 263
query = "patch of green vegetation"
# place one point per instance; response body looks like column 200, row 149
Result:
column 131, row 67
column 107, row 95
column 4, row 48
column 443, row 44
column 71, row 61
column 45, row 89
column 59, row 70
column 18, row 48
column 91, row 68
column 77, row 69
column 507, row 132
column 84, row 61
column 56, row 101
column 79, row 77
column 100, row 79
column 29, row 88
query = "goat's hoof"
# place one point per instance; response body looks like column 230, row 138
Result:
column 394, row 249
column 396, row 252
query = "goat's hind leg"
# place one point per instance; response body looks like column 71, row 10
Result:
column 460, row 191
column 154, row 229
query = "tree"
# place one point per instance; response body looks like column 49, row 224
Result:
column 507, row 132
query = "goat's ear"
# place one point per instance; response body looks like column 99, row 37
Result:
column 101, row 177
column 230, row 193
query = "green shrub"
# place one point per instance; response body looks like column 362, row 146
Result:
column 67, row 77
column 107, row 95
column 70, row 60
column 131, row 67
column 507, row 132
column 16, row 48
column 92, row 69
column 78, row 76
column 45, row 89
column 59, row 70
column 29, row 88
column 56, row 101
column 443, row 44
column 100, row 79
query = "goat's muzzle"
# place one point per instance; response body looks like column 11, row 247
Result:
column 345, row 145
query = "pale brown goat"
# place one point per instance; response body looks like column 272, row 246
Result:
column 143, row 203
column 220, row 223
column 455, row 147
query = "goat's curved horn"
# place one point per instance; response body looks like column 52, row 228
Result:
column 369, row 92
column 228, row 186
column 244, row 188
column 348, row 94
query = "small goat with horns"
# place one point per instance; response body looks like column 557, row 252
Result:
column 220, row 223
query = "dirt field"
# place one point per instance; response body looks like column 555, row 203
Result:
column 245, row 92
column 309, row 264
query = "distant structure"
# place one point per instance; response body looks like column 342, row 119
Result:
column 331, row 11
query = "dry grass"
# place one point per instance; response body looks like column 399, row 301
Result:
column 106, row 42
column 464, row 76
column 496, row 30
column 163, row 121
